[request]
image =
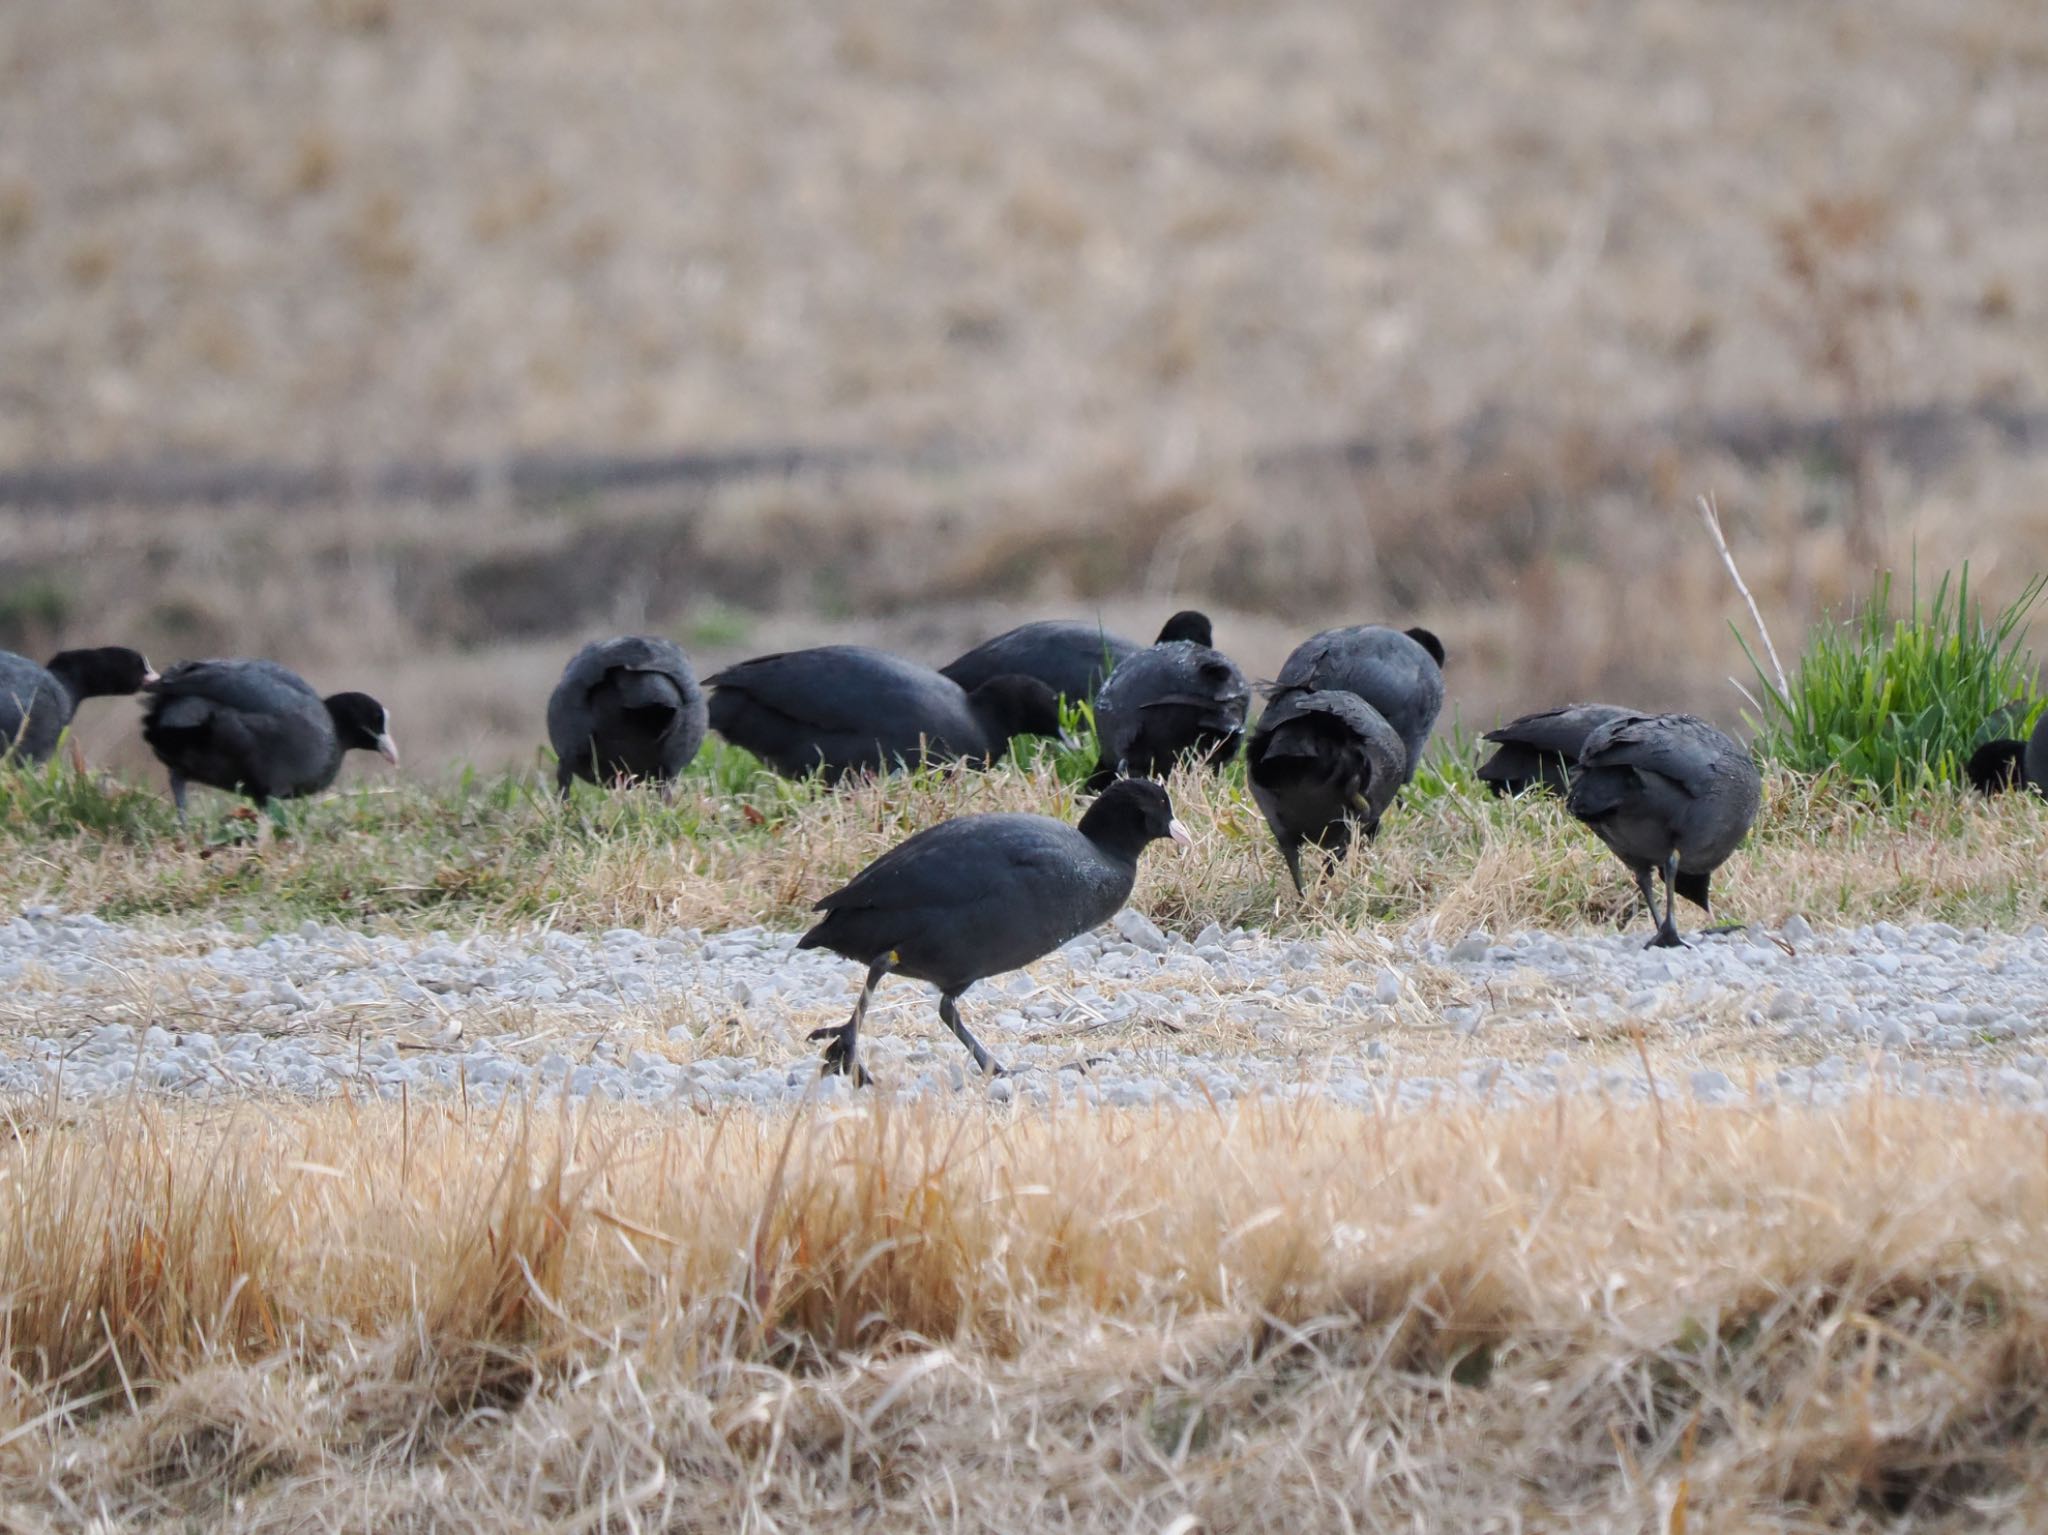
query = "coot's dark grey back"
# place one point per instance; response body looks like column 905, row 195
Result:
column 846, row 708
column 249, row 726
column 1070, row 658
column 1383, row 666
column 1655, row 784
column 1166, row 700
column 2037, row 755
column 1541, row 748
column 630, row 705
column 34, row 708
column 1310, row 760
column 973, row 897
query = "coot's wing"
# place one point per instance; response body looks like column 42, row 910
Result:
column 1665, row 745
column 954, row 861
column 1561, row 731
column 252, row 686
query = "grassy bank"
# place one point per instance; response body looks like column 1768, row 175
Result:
column 1280, row 1319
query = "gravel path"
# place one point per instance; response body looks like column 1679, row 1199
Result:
column 1124, row 1016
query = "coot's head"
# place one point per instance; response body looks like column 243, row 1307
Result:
column 106, row 671
column 1187, row 625
column 1129, row 814
column 363, row 724
column 1428, row 642
column 1997, row 766
column 1013, row 705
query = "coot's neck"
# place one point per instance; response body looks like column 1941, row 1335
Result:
column 1112, row 828
column 88, row 674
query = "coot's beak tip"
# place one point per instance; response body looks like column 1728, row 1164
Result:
column 1180, row 836
column 387, row 748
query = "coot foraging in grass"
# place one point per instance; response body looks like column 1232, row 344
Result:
column 842, row 709
column 1667, row 793
column 37, row 702
column 975, row 896
column 2008, row 763
column 628, row 708
column 256, row 728
column 1401, row 674
column 1320, row 763
column 1537, row 751
column 1174, row 699
column 1070, row 658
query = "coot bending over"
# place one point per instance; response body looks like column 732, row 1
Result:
column 1669, row 793
column 628, row 708
column 1318, row 762
column 1070, row 658
column 37, row 702
column 1177, row 698
column 256, row 728
column 975, row 896
column 845, row 709
column 1401, row 674
column 2009, row 763
column 1537, row 751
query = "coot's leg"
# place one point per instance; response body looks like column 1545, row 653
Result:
column 840, row 1054
column 949, row 1009
column 1667, row 930
column 1646, row 882
column 178, row 793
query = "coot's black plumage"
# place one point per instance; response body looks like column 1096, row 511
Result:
column 1537, row 751
column 845, row 708
column 1401, row 674
column 1178, row 698
column 973, row 897
column 2007, row 762
column 626, row 708
column 256, row 728
column 1667, row 793
column 37, row 702
column 1318, row 763
column 1068, row 657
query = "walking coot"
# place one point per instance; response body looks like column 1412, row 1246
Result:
column 1178, row 698
column 256, row 728
column 37, row 702
column 628, row 708
column 1070, row 658
column 973, row 897
column 1318, row 762
column 1537, row 751
column 843, row 709
column 1669, row 793
column 1400, row 674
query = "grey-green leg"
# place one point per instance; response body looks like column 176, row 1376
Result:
column 949, row 1010
column 841, row 1055
column 1667, row 930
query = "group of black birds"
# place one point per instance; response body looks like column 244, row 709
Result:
column 1342, row 731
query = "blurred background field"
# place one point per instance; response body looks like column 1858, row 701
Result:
column 412, row 343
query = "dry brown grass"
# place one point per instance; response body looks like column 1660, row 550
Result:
column 1278, row 1318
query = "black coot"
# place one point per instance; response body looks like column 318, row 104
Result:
column 1669, row 793
column 256, row 728
column 1070, row 658
column 37, row 702
column 1318, row 762
column 982, row 894
column 628, row 708
column 1177, row 698
column 1537, row 751
column 843, row 709
column 2007, row 762
column 1401, row 674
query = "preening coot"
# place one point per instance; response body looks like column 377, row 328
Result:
column 1669, row 793
column 1401, row 674
column 1318, row 763
column 626, row 708
column 1537, row 751
column 256, row 728
column 37, row 702
column 975, row 896
column 1068, row 657
column 1177, row 698
column 846, row 708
